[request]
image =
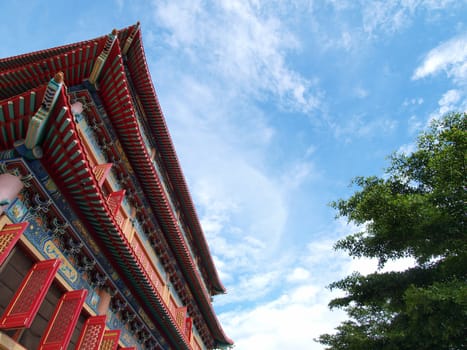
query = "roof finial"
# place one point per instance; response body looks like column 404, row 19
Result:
column 100, row 60
column 37, row 124
column 130, row 38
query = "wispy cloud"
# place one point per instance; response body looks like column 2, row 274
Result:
column 243, row 42
column 292, row 318
column 298, row 314
column 391, row 16
column 356, row 23
column 233, row 57
column 290, row 322
column 361, row 126
column 235, row 78
column 449, row 57
column 387, row 16
column 360, row 92
column 453, row 100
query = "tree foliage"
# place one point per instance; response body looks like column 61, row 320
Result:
column 418, row 209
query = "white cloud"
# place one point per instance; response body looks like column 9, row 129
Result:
column 281, row 324
column 366, row 265
column 321, row 255
column 243, row 42
column 298, row 173
column 120, row 4
column 359, row 126
column 387, row 16
column 390, row 16
column 298, row 274
column 451, row 101
column 450, row 57
column 355, row 22
column 407, row 149
column 415, row 125
column 361, row 92
column 413, row 101
column 234, row 55
column 299, row 313
column 290, row 320
column 310, row 150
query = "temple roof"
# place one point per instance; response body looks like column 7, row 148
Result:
column 22, row 85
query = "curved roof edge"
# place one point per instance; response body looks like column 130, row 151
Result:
column 162, row 136
column 166, row 147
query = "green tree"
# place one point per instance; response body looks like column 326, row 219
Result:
column 418, row 209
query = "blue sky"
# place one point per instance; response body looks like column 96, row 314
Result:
column 273, row 107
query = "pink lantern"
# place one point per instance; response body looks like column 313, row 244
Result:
column 10, row 187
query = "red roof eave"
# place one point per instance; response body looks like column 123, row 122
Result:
column 148, row 96
column 125, row 123
column 80, row 183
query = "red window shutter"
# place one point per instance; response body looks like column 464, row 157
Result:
column 114, row 200
column 9, row 235
column 63, row 322
column 188, row 327
column 28, row 298
column 92, row 333
column 101, row 171
column 110, row 341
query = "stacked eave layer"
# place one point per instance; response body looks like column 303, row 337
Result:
column 27, row 72
column 65, row 160
column 122, row 114
column 143, row 83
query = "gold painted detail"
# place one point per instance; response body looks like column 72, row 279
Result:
column 5, row 241
column 18, row 210
column 52, row 251
column 145, row 318
column 92, row 243
column 50, row 185
column 108, row 344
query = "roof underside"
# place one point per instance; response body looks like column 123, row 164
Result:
column 22, row 85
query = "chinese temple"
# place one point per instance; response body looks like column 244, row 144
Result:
column 100, row 243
